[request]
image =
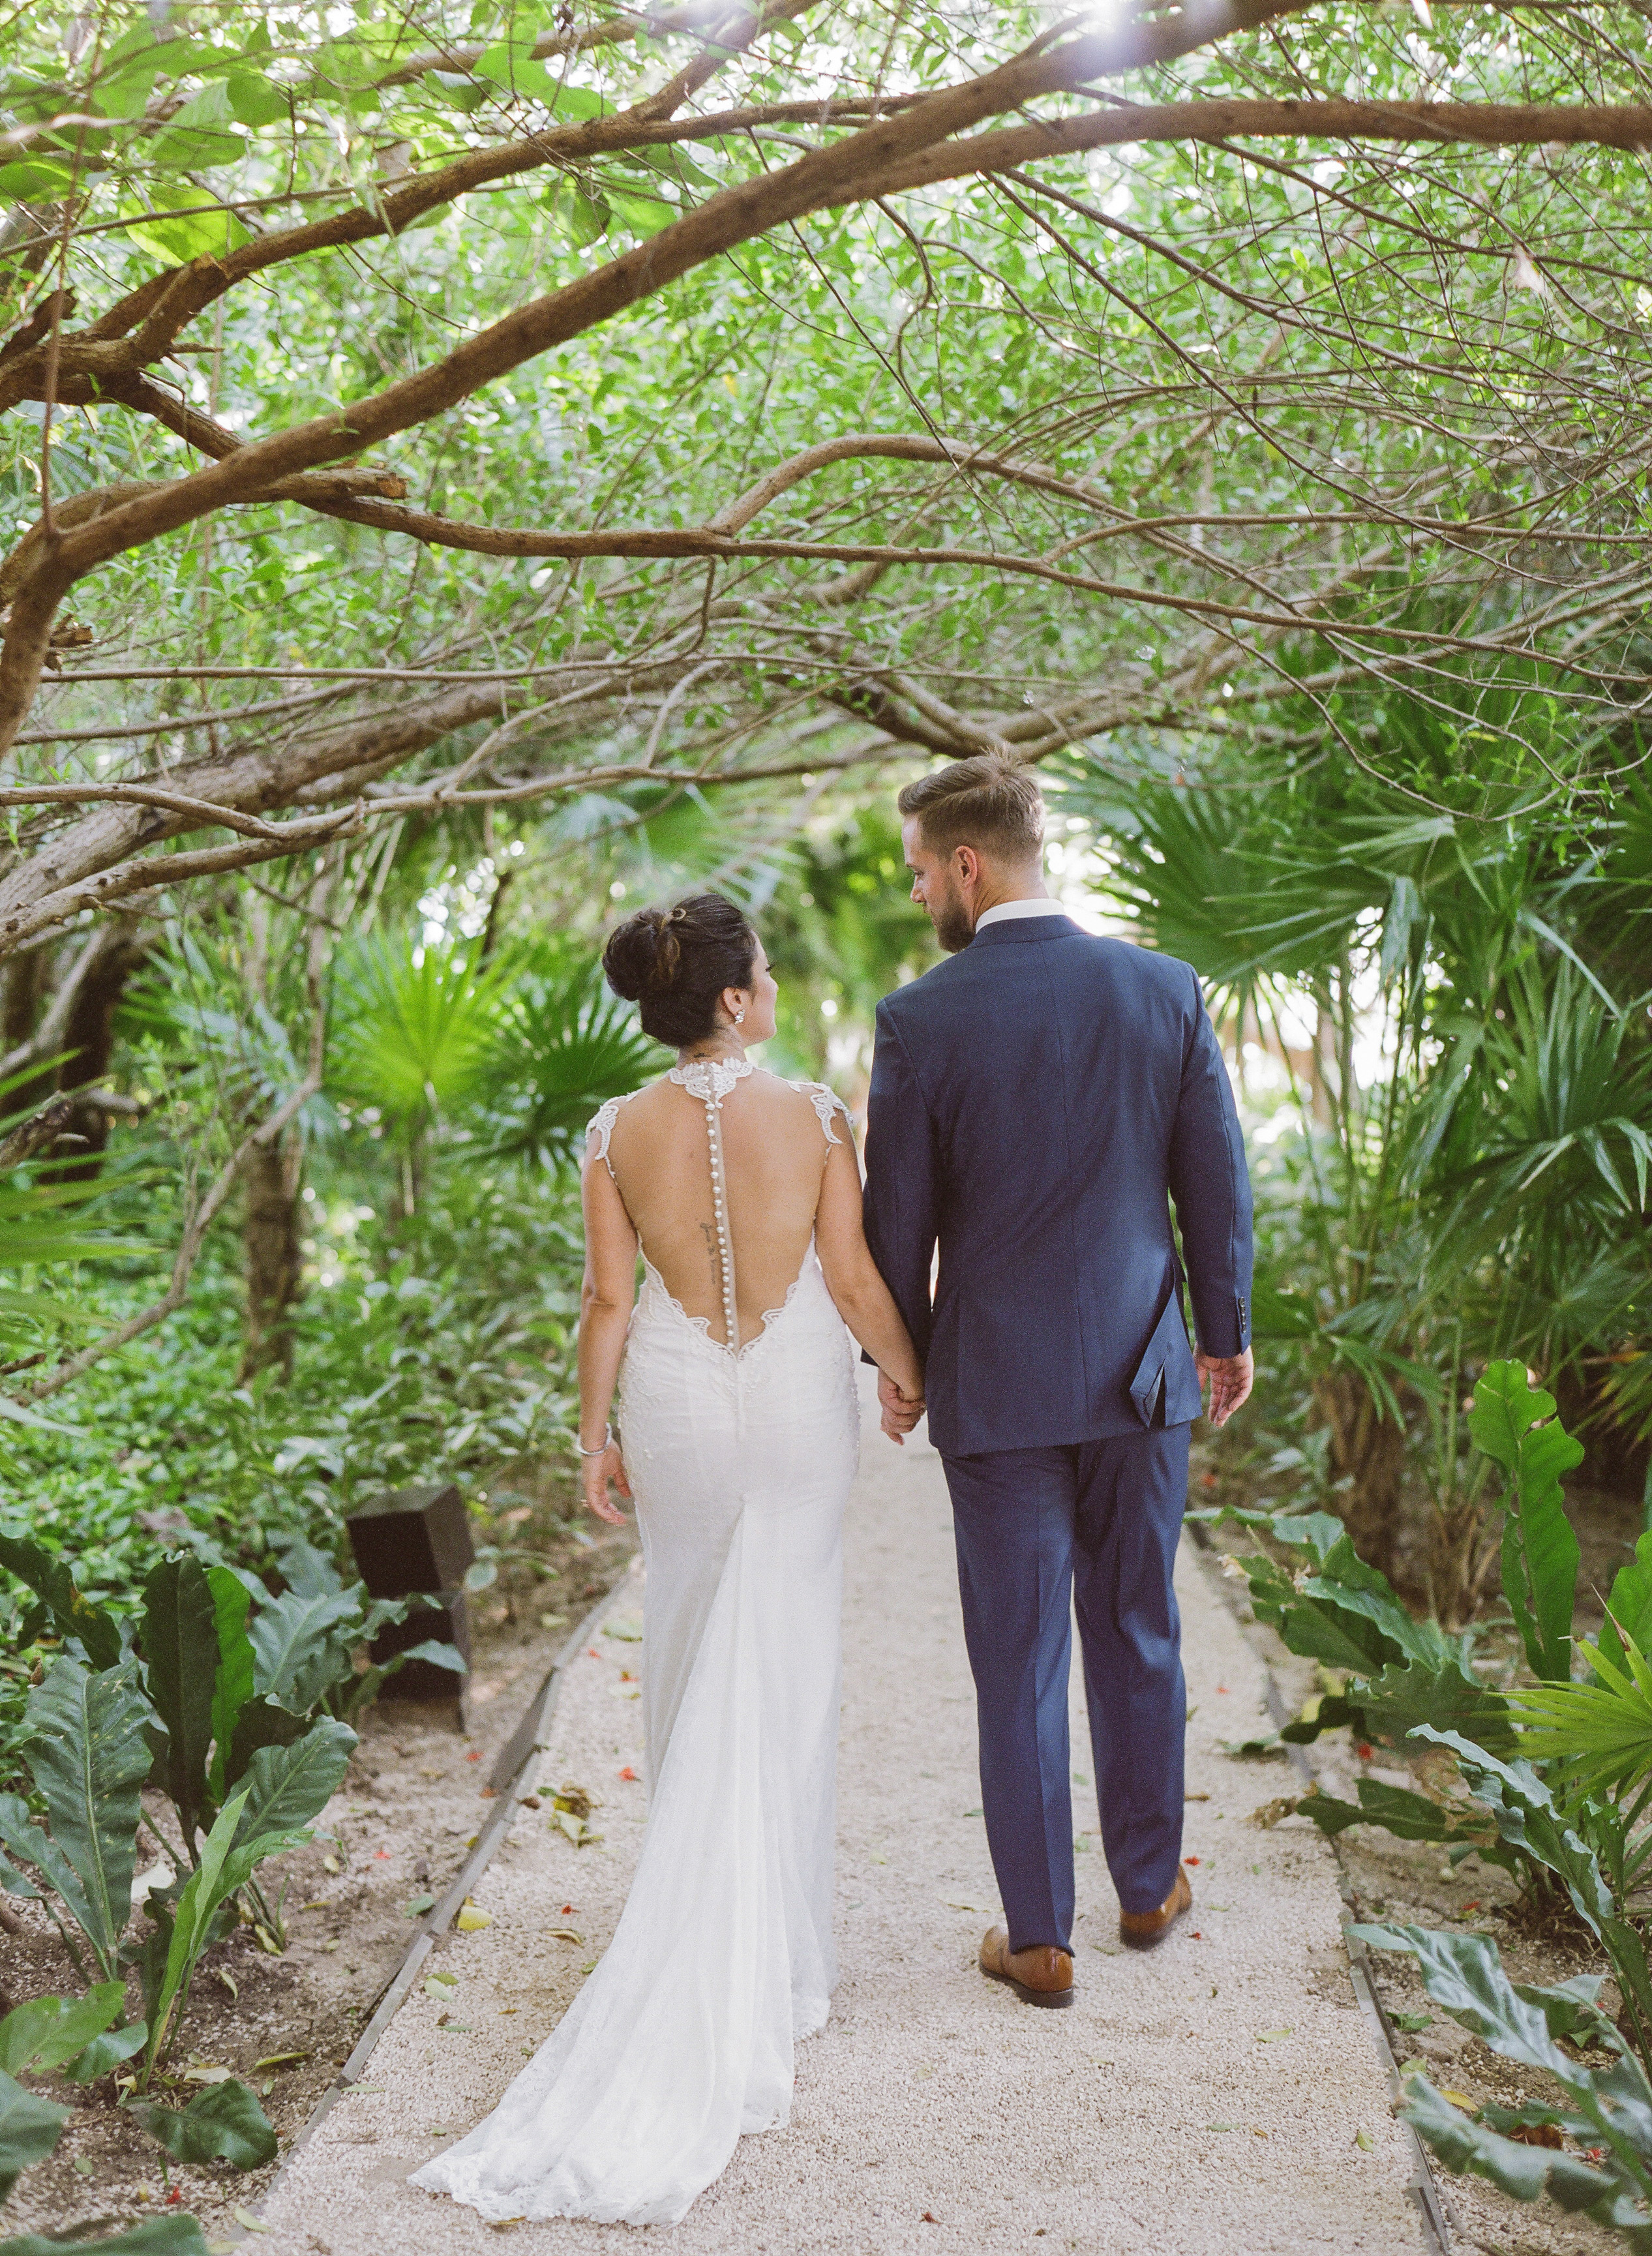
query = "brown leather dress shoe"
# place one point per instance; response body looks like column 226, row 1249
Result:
column 1141, row 1929
column 1040, row 1975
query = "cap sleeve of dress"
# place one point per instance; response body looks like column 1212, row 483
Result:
column 599, row 1133
column 829, row 1108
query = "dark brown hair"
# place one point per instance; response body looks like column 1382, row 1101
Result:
column 675, row 962
column 991, row 803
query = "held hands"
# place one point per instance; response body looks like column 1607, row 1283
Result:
column 900, row 1412
column 1229, row 1376
column 597, row 1473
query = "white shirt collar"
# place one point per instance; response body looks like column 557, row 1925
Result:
column 1007, row 909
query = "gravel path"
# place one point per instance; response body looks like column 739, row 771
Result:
column 1218, row 2096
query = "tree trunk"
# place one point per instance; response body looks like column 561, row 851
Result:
column 90, row 1037
column 274, row 1258
column 1370, row 1449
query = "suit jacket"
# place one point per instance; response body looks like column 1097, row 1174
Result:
column 1037, row 1101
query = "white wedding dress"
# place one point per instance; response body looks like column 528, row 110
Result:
column 740, row 1459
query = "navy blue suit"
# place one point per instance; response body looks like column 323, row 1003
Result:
column 1037, row 1103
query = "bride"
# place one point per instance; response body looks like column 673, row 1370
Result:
column 741, row 1431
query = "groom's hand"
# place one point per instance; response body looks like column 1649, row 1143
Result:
column 900, row 1412
column 1229, row 1376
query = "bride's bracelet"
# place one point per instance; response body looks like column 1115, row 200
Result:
column 602, row 1446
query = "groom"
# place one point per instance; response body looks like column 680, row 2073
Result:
column 1037, row 1103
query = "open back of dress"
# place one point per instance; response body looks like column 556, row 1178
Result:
column 740, row 1427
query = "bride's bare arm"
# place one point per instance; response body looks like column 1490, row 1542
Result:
column 862, row 1300
column 605, row 1299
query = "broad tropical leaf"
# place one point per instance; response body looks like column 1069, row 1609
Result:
column 73, row 1614
column 87, row 1754
column 234, row 1682
column 179, row 1637
column 41, row 2036
column 173, row 2235
column 286, row 1786
column 224, row 2123
column 1516, row 1427
column 30, row 2128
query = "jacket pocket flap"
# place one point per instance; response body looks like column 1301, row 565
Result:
column 1144, row 1387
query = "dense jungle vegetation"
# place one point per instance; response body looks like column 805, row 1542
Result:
column 467, row 470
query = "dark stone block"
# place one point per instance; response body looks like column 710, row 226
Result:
column 414, row 1538
column 445, row 1616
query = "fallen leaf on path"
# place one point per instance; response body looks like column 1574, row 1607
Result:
column 566, row 1935
column 1274, row 1813
column 471, row 1920
column 1272, row 2036
column 1364, row 2140
column 244, row 2218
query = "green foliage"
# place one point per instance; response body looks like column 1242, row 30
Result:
column 53, row 2033
column 413, row 1029
column 1608, row 2112
column 171, row 2235
column 224, row 2123
column 30, row 2128
column 1344, row 1614
column 179, row 1639
column 1517, row 1428
column 61, row 1602
column 87, row 1755
column 1600, row 1731
column 1542, row 1834
column 561, row 1044
column 226, row 1865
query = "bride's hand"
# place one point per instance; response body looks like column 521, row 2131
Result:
column 900, row 1410
column 597, row 1472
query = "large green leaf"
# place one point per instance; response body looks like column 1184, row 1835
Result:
column 1629, row 1606
column 1514, row 2166
column 1515, row 1426
column 30, row 2128
column 224, row 2123
column 286, row 1785
column 72, row 1614
column 86, row 1752
column 41, row 2035
column 1535, row 1827
column 1390, row 1706
column 302, row 1645
column 154, row 2235
column 234, row 1682
column 180, row 1641
column 1610, row 2111
column 260, row 1724
column 225, row 1865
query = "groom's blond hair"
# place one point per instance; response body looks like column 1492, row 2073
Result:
column 990, row 802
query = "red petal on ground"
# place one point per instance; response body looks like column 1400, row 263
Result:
column 593, row 1652
column 1221, row 1688
column 1189, row 1860
column 629, row 1774
column 385, row 1853
column 1363, row 1751
column 475, row 1755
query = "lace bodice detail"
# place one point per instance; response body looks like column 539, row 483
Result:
column 828, row 1106
column 711, row 1082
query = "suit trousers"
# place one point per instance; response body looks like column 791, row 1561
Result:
column 1089, row 1527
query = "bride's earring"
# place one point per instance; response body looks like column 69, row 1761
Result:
column 739, row 1017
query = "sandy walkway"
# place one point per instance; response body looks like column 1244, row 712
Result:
column 1209, row 2096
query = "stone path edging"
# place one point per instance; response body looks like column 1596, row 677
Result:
column 1424, row 2190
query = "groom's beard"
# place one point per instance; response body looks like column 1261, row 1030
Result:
column 953, row 927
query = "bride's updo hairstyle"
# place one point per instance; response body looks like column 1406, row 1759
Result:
column 674, row 963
